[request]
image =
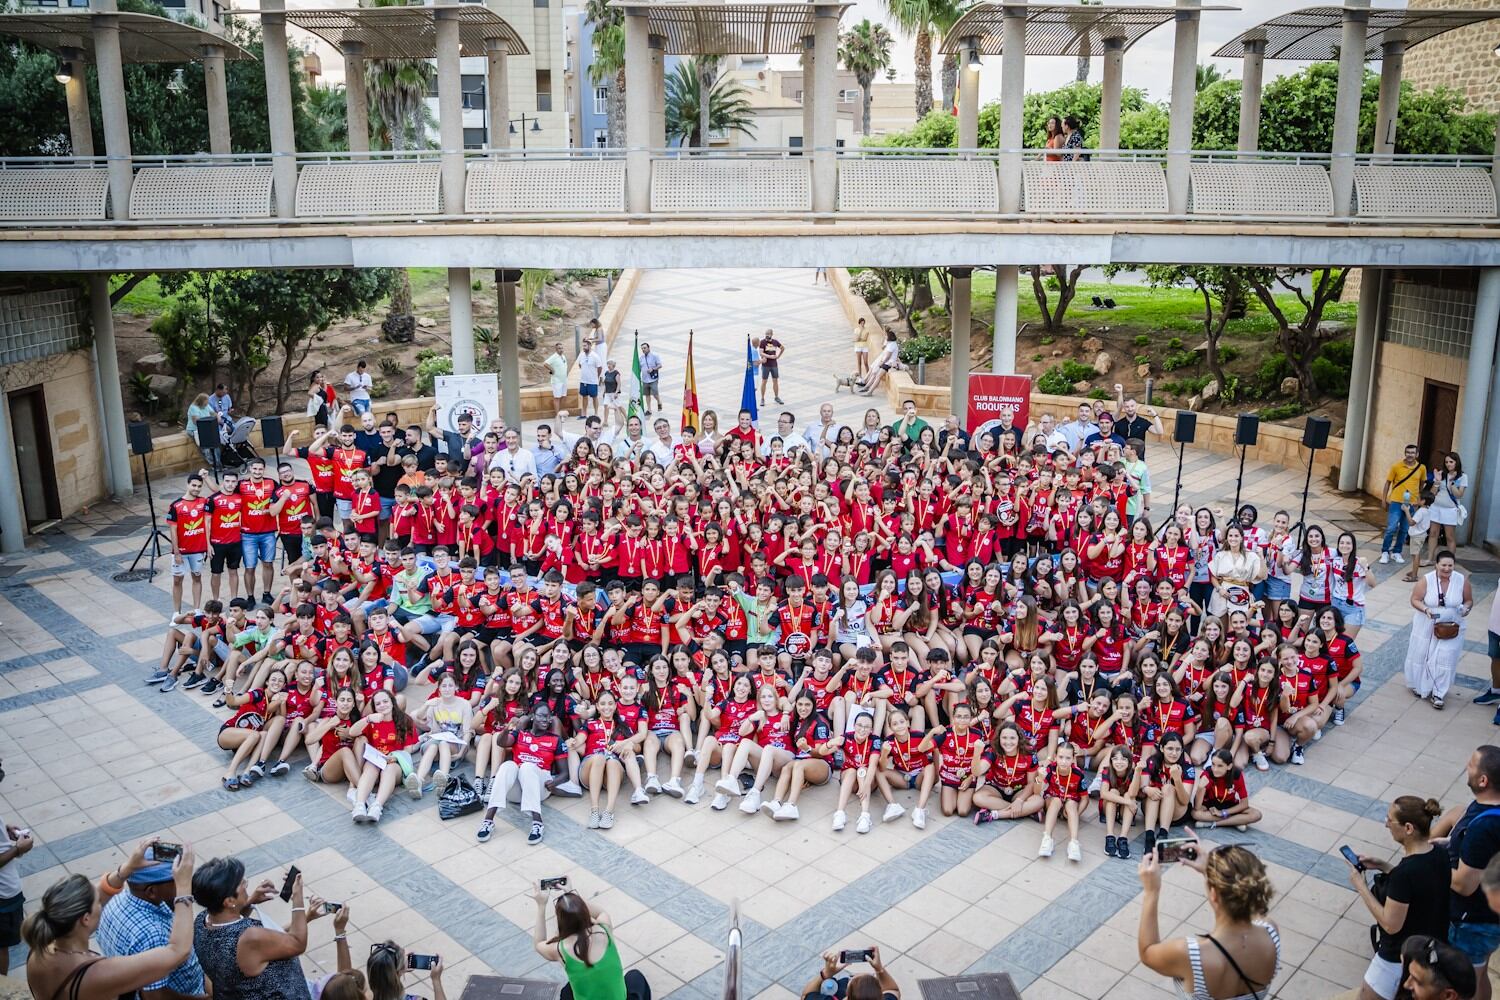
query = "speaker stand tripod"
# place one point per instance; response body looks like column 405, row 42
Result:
column 153, row 541
column 1177, row 490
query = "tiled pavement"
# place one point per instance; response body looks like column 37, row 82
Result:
column 96, row 761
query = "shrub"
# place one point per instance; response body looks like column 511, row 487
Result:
column 1051, row 284
column 1175, row 344
column 1270, row 373
column 1228, row 354
column 141, row 391
column 428, row 369
column 1046, row 339
column 391, row 366
column 1179, row 359
column 425, row 353
column 1143, row 359
column 1054, row 382
column 1188, row 386
column 925, row 347
column 380, row 388
column 1142, row 340
column 1330, row 377
column 1036, row 357
column 1281, row 411
column 1099, row 394
column 866, row 284
column 1077, row 371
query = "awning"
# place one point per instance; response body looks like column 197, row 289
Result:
column 692, row 29
column 401, row 32
column 1314, row 34
column 144, row 38
column 1059, row 29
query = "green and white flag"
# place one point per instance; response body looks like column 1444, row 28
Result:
column 634, row 403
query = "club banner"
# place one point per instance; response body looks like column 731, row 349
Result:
column 476, row 395
column 989, row 395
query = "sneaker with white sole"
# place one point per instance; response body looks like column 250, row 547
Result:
column 1398, row 557
column 1044, row 850
column 639, row 797
column 606, row 820
column 673, row 788
column 720, row 802
column 694, row 793
column 535, row 837
column 1075, row 852
column 1385, row 557
column 169, row 684
column 593, row 823
column 158, row 677
column 1261, row 764
column 413, row 785
column 893, row 810
column 653, row 784
column 280, row 768
column 1317, row 735
column 724, row 786
column 311, row 773
column 350, row 795
column 1297, row 756
column 771, row 806
column 485, row 829
column 751, row 805
column 919, row 818
column 787, row 811
column 1097, row 785
column 375, row 812
column 572, row 789
column 1338, row 716
column 863, row 824
column 360, row 814
column 194, row 680
column 840, row 820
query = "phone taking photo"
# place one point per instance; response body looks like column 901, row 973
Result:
column 1176, row 849
column 422, row 963
column 1352, row 858
column 286, row 886
column 560, row 882
column 853, row 955
column 163, row 851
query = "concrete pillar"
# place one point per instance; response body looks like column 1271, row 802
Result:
column 1184, row 93
column 637, row 112
column 216, row 96
column 1109, row 98
column 356, row 99
column 825, row 106
column 959, row 301
column 1483, row 499
column 658, row 46
column 80, row 125
column 279, row 108
column 1346, row 111
column 1012, row 101
column 450, row 109
column 112, row 407
column 968, row 95
column 1361, row 377
column 506, row 281
column 12, row 514
column 1007, row 306
column 461, row 320
column 497, row 91
column 1475, row 404
column 111, row 71
column 809, row 60
column 1392, row 55
column 1253, row 73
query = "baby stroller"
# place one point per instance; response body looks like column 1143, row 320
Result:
column 236, row 451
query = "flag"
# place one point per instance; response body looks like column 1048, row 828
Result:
column 634, row 405
column 747, row 394
column 690, row 416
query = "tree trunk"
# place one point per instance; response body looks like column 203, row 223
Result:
column 708, row 72
column 922, row 59
column 1081, row 71
column 921, row 289
column 616, row 110
column 865, row 104
column 950, row 81
column 1039, row 292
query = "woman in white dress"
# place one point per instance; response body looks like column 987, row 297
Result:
column 1448, row 488
column 1233, row 570
column 1441, row 601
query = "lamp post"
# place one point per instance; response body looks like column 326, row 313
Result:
column 536, row 126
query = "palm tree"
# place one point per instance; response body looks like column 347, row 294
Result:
column 609, row 62
column 865, row 51
column 708, row 72
column 728, row 108
column 918, row 18
column 1207, row 76
column 944, row 17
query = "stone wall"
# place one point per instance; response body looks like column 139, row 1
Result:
column 69, row 388
column 1462, row 60
column 1401, row 374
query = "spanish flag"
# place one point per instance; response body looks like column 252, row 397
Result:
column 690, row 416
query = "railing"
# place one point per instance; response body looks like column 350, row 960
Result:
column 732, row 954
column 514, row 184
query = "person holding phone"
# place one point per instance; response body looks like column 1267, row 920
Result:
column 241, row 955
column 585, row 945
column 877, row 984
column 139, row 918
column 1416, row 897
column 389, row 963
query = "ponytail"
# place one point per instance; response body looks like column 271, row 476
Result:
column 63, row 905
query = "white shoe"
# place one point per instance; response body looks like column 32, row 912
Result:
column 786, row 812
column 1385, row 557
column 639, row 797
column 751, row 805
column 1097, row 785
column 1075, row 853
column 772, row 806
column 1261, row 764
column 673, row 788
column 864, row 824
column 919, row 818
column 726, row 787
column 375, row 812
column 839, row 821
column 894, row 810
column 1045, row 849
column 1317, row 735
column 720, row 802
column 593, row 823
column 606, row 820
column 413, row 785
column 350, row 796
column 1398, row 557
column 569, row 788
column 653, row 784
column 360, row 814
column 694, row 793
column 691, row 757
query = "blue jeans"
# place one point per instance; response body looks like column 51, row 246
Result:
column 360, row 405
column 1394, row 538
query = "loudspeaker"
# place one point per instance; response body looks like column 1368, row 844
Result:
column 208, row 432
column 1247, row 429
column 1185, row 428
column 272, row 434
column 1315, row 434
column 140, row 437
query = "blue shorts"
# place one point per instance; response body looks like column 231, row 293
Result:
column 433, row 624
column 588, row 390
column 1278, row 589
column 1354, row 614
column 387, row 504
column 257, row 547
column 1476, row 941
column 191, row 565
column 1494, row 646
column 361, row 406
column 343, row 509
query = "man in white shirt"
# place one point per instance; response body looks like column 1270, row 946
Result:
column 786, row 429
column 632, row 440
column 1047, row 430
column 590, row 364
column 664, row 443
column 823, row 435
column 549, row 452
column 358, row 383
column 515, row 461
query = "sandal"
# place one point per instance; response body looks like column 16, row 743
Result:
column 247, row 779
column 231, row 784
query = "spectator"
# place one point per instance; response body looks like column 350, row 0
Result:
column 889, row 358
column 549, row 453
column 1473, row 834
column 1128, row 420
column 1415, row 901
column 141, row 919
column 609, row 399
column 1072, row 138
column 665, row 444
column 1448, row 510
column 15, row 842
column 1133, row 461
column 198, row 409
column 650, row 378
column 220, row 402
column 1403, row 483
column 861, row 349
column 358, row 382
column 771, row 351
column 585, row 945
column 590, row 365
column 557, row 366
column 1052, row 438
column 515, row 461
column 1244, row 952
column 1441, row 601
column 243, row 958
column 1437, row 971
column 878, row 984
column 1493, row 694
column 320, row 399
column 385, row 969
column 908, row 427
column 1055, row 138
column 1080, row 428
column 61, row 963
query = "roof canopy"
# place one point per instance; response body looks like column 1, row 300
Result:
column 144, row 38
column 1314, row 34
column 698, row 28
column 401, row 32
column 1059, row 29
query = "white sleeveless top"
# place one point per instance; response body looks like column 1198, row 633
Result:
column 1195, row 959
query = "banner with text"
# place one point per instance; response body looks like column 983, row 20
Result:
column 476, row 395
column 990, row 395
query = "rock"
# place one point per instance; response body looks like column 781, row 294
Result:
column 426, row 322
column 1142, row 371
column 1211, row 391
column 1093, row 345
column 399, row 329
column 1332, row 328
column 1082, row 388
column 165, row 386
column 1290, row 386
column 153, row 364
column 1103, row 363
column 1195, row 403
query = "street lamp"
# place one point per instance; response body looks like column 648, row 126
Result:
column 536, row 126
column 64, row 71
column 68, row 58
column 972, row 44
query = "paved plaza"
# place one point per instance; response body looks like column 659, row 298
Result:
column 96, row 761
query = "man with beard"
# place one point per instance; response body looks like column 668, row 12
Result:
column 1473, row 834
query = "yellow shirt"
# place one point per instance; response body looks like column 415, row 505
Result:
column 862, row 336
column 1404, row 479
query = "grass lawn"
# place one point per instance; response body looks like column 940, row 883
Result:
column 147, row 299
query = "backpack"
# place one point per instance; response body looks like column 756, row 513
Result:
column 460, row 798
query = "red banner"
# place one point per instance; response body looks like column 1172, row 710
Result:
column 989, row 395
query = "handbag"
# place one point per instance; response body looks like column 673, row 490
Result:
column 459, row 798
column 1445, row 630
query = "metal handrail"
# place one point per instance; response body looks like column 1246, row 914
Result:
column 733, row 953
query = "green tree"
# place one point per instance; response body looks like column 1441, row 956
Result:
column 329, row 110
column 707, row 66
column 865, row 51
column 1299, row 336
column 919, row 19
column 1206, row 76
column 1219, row 288
column 728, row 107
column 1216, row 116
column 609, row 64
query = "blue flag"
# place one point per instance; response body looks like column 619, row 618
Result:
column 747, row 394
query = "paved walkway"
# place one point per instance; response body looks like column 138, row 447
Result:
column 96, row 761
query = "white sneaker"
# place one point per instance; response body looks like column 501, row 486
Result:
column 593, row 823
column 839, row 821
column 720, row 802
column 639, row 797
column 1385, row 557
column 606, row 820
column 751, row 805
column 893, row 811
column 1398, row 557
column 1075, row 853
column 673, row 788
column 569, row 788
column 653, row 784
column 375, row 812
column 1097, row 785
column 919, row 818
column 1317, row 735
column 863, row 824
column 350, row 796
column 1045, row 850
column 360, row 814
column 726, row 787
column 772, row 806
column 694, row 793
column 1261, row 764
column 413, row 785
column 787, row 812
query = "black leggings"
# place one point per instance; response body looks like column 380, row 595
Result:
column 636, row 988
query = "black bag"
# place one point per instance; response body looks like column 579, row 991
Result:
column 460, row 798
column 1378, row 890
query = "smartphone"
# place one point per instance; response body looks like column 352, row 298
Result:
column 1175, row 849
column 331, row 908
column 163, row 851
column 560, row 882
column 1352, row 858
column 853, row 955
column 422, row 963
column 286, row 886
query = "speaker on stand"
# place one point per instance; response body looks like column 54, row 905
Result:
column 139, row 436
column 1246, row 433
column 1184, row 430
column 272, row 433
column 1314, row 439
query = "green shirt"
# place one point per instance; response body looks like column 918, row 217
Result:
column 754, row 636
column 401, row 581
column 1140, row 477
column 910, row 431
column 604, row 980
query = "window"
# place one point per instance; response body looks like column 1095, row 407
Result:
column 601, row 137
column 544, row 90
column 848, row 96
column 544, row 4
column 601, row 100
column 797, row 97
column 474, row 138
column 473, row 91
column 794, row 142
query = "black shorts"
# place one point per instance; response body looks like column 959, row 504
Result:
column 325, row 504
column 228, row 554
column 487, row 634
column 12, row 911
column 292, row 545
column 770, row 369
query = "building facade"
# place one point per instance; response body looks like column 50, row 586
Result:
column 1464, row 60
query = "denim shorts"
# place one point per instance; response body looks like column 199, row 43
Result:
column 191, row 565
column 387, row 504
column 258, row 547
column 1354, row 614
column 1494, row 646
column 1278, row 589
column 1476, row 941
